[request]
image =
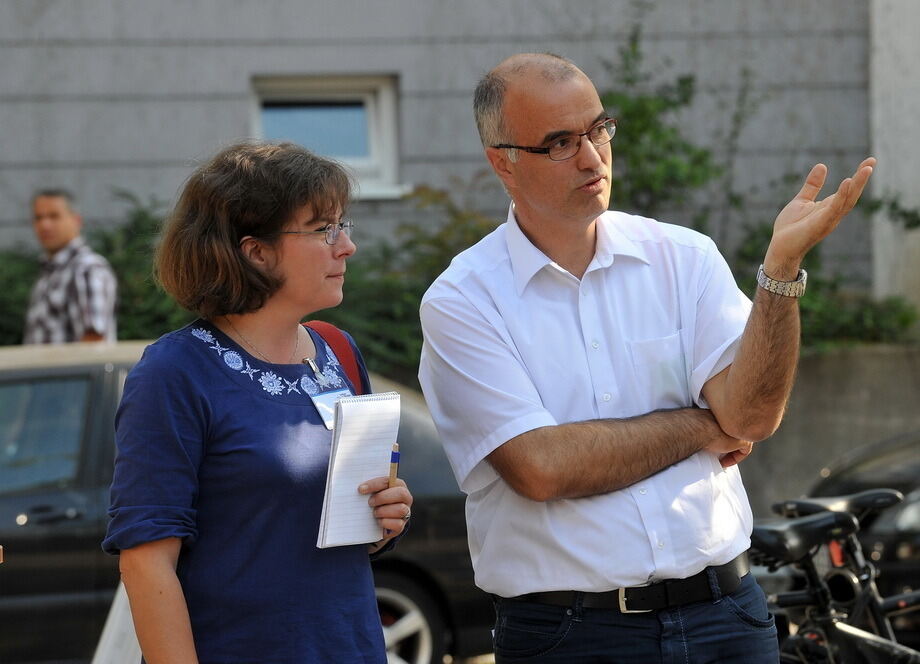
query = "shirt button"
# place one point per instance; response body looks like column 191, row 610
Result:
column 660, row 545
column 643, row 491
column 607, row 397
column 594, row 344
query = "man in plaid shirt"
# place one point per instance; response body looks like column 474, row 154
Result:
column 74, row 298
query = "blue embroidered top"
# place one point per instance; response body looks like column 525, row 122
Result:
column 228, row 453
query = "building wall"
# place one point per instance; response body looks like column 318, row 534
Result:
column 99, row 95
column 843, row 399
column 895, row 97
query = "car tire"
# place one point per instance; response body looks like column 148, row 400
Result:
column 413, row 626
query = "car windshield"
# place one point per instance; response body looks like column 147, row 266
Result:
column 41, row 427
column 896, row 467
column 424, row 459
column 903, row 518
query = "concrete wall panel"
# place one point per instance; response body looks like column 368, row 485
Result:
column 842, row 399
column 895, row 94
column 121, row 131
column 395, row 19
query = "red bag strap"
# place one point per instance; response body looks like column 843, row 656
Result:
column 338, row 342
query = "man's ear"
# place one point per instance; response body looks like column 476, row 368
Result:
column 502, row 165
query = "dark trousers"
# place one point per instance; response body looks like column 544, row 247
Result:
column 736, row 628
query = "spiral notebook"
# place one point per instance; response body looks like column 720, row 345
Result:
column 362, row 438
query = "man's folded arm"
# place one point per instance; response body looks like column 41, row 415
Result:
column 475, row 385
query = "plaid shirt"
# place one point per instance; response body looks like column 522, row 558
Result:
column 74, row 295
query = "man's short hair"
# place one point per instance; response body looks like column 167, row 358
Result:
column 248, row 189
column 489, row 95
column 57, row 192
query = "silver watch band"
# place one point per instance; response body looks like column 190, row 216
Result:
column 785, row 288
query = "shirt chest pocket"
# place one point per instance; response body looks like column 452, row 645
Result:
column 660, row 372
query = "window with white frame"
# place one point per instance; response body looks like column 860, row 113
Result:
column 352, row 119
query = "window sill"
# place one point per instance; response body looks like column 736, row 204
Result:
column 378, row 191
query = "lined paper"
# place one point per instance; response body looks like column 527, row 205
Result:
column 365, row 429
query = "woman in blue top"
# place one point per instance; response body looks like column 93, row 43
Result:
column 222, row 454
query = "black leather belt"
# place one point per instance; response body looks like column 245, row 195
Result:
column 661, row 595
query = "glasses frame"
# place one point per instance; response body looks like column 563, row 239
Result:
column 546, row 151
column 330, row 231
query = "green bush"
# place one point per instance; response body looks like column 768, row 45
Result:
column 830, row 314
column 386, row 282
column 144, row 310
column 656, row 166
column 18, row 271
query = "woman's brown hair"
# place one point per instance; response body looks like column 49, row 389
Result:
column 252, row 189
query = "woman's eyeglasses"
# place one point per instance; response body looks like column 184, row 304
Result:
column 330, row 231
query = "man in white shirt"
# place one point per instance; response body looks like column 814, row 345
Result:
column 595, row 378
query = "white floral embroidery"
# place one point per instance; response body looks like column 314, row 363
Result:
column 325, row 379
column 220, row 349
column 233, row 360
column 321, row 379
column 331, row 359
column 203, row 334
column 330, row 378
column 271, row 383
column 308, row 386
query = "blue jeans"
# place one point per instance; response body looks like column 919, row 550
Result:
column 734, row 628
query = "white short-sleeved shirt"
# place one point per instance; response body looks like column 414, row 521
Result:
column 513, row 342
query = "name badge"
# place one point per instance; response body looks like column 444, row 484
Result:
column 325, row 404
column 325, row 399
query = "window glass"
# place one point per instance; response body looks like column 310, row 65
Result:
column 904, row 518
column 41, row 426
column 422, row 461
column 335, row 129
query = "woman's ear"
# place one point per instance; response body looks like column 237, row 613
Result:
column 255, row 251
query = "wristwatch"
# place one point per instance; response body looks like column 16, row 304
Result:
column 786, row 288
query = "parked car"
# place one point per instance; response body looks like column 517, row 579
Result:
column 892, row 539
column 57, row 405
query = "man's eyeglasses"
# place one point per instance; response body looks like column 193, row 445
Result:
column 566, row 147
column 330, row 231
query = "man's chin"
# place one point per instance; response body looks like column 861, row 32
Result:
column 602, row 201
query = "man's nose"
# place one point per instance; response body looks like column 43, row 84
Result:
column 589, row 155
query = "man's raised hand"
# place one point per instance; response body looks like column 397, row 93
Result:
column 805, row 221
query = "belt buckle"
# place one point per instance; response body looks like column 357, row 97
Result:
column 621, row 598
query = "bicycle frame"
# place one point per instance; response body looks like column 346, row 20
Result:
column 852, row 579
column 831, row 631
column 824, row 637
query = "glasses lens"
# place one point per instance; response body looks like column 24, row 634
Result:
column 603, row 133
column 563, row 148
column 332, row 230
column 566, row 147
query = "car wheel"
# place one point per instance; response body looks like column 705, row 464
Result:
column 413, row 628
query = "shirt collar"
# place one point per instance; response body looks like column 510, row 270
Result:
column 527, row 260
column 63, row 255
column 612, row 240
